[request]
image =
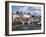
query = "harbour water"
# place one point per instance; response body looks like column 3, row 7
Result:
column 33, row 26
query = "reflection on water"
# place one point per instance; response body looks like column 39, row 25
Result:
column 32, row 26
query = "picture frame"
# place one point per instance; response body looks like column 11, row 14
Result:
column 20, row 18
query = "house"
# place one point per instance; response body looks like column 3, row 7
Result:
column 26, row 16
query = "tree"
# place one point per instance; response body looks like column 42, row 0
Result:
column 24, row 12
column 28, row 13
column 17, row 12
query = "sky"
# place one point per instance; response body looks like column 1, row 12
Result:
column 30, row 9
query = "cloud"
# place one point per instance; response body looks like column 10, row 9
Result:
column 23, row 9
column 31, row 9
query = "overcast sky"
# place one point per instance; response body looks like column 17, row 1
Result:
column 30, row 9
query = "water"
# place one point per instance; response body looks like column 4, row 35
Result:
column 32, row 26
